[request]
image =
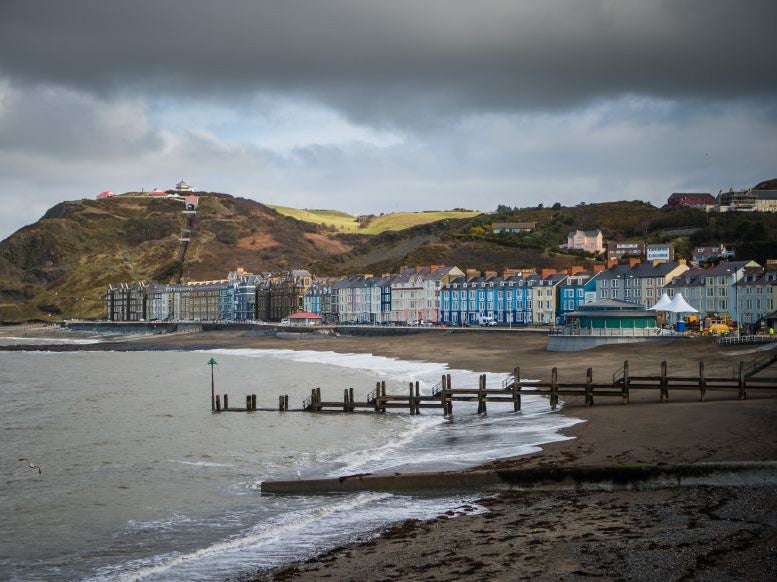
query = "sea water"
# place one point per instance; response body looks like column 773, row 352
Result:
column 141, row 481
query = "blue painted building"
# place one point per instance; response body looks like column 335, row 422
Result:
column 577, row 290
column 507, row 300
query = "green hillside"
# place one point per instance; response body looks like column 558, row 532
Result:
column 341, row 222
column 61, row 265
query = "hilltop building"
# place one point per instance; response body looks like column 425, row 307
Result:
column 700, row 200
column 659, row 252
column 183, row 187
column 590, row 241
column 512, row 227
column 621, row 250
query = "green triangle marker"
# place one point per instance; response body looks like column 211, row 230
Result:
column 213, row 362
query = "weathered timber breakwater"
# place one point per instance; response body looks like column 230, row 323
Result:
column 538, row 478
column 443, row 394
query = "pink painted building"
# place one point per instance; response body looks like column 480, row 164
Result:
column 590, row 241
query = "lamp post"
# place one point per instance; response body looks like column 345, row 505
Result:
column 212, row 363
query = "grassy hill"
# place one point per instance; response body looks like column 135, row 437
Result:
column 61, row 265
column 341, row 222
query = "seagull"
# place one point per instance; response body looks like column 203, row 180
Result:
column 32, row 465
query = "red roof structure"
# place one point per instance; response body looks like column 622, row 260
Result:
column 157, row 193
column 304, row 315
column 106, row 194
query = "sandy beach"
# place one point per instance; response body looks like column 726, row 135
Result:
column 666, row 534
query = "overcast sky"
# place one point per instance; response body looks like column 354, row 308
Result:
column 377, row 106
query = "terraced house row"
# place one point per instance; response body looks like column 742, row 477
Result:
column 439, row 294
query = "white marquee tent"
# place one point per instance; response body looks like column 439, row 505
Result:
column 661, row 303
column 679, row 305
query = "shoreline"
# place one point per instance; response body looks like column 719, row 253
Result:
column 721, row 429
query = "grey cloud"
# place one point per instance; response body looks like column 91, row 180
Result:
column 403, row 61
column 70, row 125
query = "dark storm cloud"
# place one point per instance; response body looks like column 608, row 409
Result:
column 398, row 61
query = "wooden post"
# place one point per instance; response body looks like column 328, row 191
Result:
column 383, row 396
column 443, row 390
column 350, row 399
column 318, row 398
column 589, row 391
column 517, row 389
column 417, row 398
column 742, row 391
column 253, row 401
column 702, row 382
column 448, row 398
column 218, row 403
column 345, row 399
column 664, row 388
column 285, row 402
column 226, row 401
column 248, row 403
column 482, row 396
column 553, row 388
column 626, row 382
column 410, row 400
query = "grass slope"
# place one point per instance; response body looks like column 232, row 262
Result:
column 61, row 265
column 336, row 221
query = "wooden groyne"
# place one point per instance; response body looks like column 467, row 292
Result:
column 509, row 392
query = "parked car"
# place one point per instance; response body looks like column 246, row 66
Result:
column 486, row 321
column 426, row 324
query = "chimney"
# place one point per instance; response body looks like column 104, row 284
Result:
column 682, row 262
column 472, row 273
column 633, row 261
column 489, row 274
column 418, row 268
column 657, row 262
column 599, row 268
column 509, row 273
column 574, row 269
column 545, row 272
column 611, row 262
column 528, row 272
column 402, row 268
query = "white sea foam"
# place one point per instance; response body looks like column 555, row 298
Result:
column 199, row 463
column 47, row 340
column 280, row 528
column 290, row 535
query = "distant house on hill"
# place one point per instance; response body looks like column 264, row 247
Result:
column 692, row 199
column 512, row 227
column 157, row 192
column 106, row 194
column 590, row 241
column 704, row 254
column 620, row 250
